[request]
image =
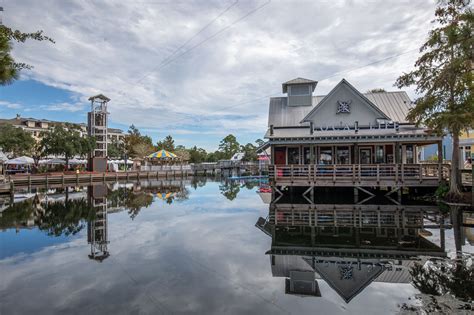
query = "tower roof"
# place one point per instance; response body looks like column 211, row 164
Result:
column 99, row 96
column 298, row 81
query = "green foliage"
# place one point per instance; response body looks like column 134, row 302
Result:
column 443, row 76
column 229, row 146
column 136, row 145
column 115, row 149
column 250, row 152
column 442, row 191
column 376, row 90
column 15, row 140
column 230, row 190
column 9, row 68
column 166, row 144
column 67, row 141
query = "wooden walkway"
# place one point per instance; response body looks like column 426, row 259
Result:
column 59, row 179
column 370, row 175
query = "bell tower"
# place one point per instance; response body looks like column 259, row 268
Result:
column 97, row 128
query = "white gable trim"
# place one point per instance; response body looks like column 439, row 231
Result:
column 324, row 100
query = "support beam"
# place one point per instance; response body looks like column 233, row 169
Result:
column 440, row 161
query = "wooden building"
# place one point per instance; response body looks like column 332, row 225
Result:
column 347, row 138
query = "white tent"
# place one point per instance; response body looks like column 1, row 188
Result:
column 22, row 160
column 77, row 161
column 53, row 161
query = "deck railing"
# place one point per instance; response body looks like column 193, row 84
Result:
column 359, row 172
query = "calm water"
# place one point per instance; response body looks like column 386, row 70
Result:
column 218, row 248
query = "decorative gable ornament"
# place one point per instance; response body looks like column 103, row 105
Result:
column 344, row 107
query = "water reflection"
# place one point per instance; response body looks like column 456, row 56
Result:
column 351, row 246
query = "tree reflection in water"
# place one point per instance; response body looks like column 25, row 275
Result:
column 230, row 189
column 437, row 277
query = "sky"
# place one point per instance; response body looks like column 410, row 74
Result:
column 200, row 70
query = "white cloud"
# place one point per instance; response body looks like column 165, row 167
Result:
column 64, row 107
column 10, row 105
column 116, row 48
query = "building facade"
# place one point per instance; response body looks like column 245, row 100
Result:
column 36, row 127
column 346, row 135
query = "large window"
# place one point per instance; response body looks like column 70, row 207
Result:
column 342, row 155
column 299, row 90
column 379, row 154
column 325, row 155
column 293, row 156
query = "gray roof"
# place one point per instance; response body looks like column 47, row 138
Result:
column 298, row 81
column 394, row 104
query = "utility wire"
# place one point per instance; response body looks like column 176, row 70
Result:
column 189, row 40
column 210, row 37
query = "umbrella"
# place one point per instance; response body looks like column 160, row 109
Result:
column 164, row 196
column 162, row 154
column 21, row 160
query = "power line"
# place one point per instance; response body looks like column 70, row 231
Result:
column 189, row 40
column 212, row 36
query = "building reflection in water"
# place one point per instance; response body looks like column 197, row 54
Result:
column 351, row 246
column 97, row 229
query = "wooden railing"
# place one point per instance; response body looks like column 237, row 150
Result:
column 358, row 173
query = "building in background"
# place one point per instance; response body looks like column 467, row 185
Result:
column 35, row 127
column 466, row 147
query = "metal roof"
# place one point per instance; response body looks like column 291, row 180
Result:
column 394, row 104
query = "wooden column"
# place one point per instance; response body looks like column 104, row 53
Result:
column 396, row 153
column 440, row 160
column 356, row 154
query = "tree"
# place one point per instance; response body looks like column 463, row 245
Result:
column 444, row 74
column 250, row 152
column 15, row 140
column 135, row 145
column 115, row 149
column 167, row 144
column 229, row 146
column 67, row 141
column 259, row 142
column 376, row 90
column 197, row 155
column 9, row 68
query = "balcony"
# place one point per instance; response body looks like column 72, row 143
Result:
column 372, row 175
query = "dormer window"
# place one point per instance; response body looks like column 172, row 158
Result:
column 299, row 90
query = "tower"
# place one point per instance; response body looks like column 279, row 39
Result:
column 97, row 229
column 97, row 127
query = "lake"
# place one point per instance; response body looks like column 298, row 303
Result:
column 221, row 247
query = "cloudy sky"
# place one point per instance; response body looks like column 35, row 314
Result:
column 199, row 70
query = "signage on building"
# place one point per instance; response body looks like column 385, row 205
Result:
column 379, row 126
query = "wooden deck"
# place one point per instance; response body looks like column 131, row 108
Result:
column 55, row 179
column 362, row 216
column 370, row 175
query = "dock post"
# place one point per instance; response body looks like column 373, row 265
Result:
column 47, row 183
column 356, row 195
column 62, row 179
column 12, row 191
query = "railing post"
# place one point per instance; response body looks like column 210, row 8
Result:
column 353, row 173
column 334, row 172
column 291, row 172
column 378, row 173
column 420, row 172
column 274, row 172
column 403, row 172
column 396, row 173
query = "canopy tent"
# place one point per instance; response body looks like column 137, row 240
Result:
column 120, row 162
column 162, row 154
column 53, row 161
column 77, row 161
column 22, row 160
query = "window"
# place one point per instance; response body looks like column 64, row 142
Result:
column 293, row 156
column 306, row 155
column 410, row 157
column 467, row 152
column 325, row 155
column 379, row 154
column 299, row 90
column 342, row 155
